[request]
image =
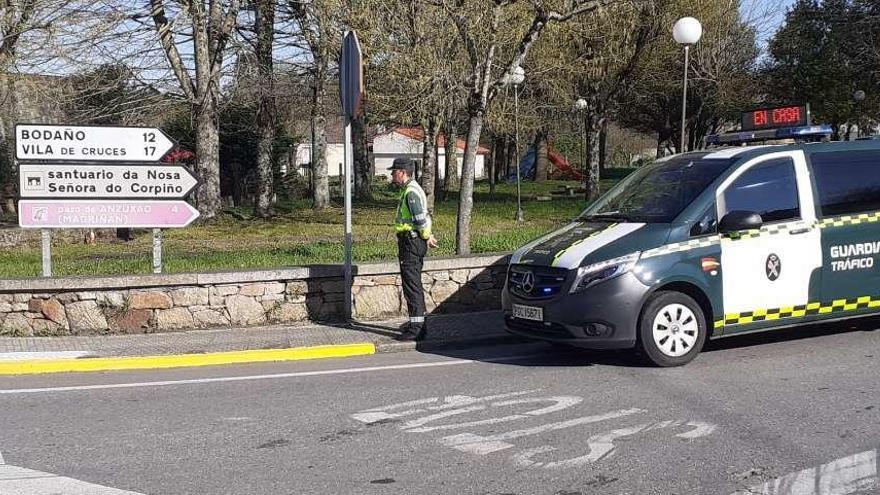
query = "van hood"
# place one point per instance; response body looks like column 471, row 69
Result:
column 579, row 243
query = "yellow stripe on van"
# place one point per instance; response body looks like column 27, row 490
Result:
column 813, row 308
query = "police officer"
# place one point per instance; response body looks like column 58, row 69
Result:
column 413, row 228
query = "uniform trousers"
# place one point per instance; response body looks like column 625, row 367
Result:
column 411, row 251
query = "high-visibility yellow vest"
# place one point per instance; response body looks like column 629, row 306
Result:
column 409, row 220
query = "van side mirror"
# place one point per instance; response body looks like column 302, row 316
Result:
column 737, row 221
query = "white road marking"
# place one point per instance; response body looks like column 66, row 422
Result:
column 22, row 356
column 854, row 474
column 301, row 374
column 599, row 446
column 383, row 413
column 16, row 480
column 476, row 444
column 440, row 415
column 559, row 403
column 602, row 445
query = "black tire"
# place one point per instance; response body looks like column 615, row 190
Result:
column 670, row 303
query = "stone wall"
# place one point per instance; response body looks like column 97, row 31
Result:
column 148, row 303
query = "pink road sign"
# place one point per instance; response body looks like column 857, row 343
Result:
column 56, row 214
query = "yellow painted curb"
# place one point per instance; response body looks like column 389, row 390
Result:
column 183, row 360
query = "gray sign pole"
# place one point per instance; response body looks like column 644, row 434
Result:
column 157, row 250
column 348, row 240
column 47, row 252
column 351, row 90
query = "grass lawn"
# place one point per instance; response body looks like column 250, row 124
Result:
column 301, row 236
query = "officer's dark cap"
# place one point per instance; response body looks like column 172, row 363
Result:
column 407, row 164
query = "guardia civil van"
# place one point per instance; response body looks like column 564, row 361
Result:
column 708, row 244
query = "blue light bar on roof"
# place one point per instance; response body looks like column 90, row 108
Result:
column 802, row 132
column 807, row 130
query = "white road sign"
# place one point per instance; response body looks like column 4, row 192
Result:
column 120, row 144
column 104, row 181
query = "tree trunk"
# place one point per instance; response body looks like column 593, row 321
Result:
column 363, row 176
column 238, row 191
column 439, row 179
column 500, row 156
column 429, row 160
column 451, row 157
column 266, row 115
column 8, row 172
column 603, row 148
column 319, row 160
column 466, row 193
column 501, row 159
column 208, row 157
column 490, row 163
column 594, row 128
column 542, row 162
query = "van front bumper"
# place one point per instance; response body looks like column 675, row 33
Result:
column 604, row 316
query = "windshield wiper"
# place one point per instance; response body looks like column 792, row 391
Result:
column 608, row 215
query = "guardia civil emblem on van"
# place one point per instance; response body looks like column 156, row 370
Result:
column 773, row 267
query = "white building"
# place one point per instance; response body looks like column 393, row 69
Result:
column 395, row 143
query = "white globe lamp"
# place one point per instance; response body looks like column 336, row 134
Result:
column 687, row 31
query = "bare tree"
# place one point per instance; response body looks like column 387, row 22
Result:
column 266, row 111
column 211, row 25
column 317, row 23
column 414, row 74
column 18, row 19
column 484, row 43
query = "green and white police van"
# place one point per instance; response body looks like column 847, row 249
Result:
column 705, row 245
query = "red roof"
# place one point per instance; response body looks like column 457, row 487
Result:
column 418, row 134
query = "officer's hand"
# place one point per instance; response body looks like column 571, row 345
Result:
column 432, row 242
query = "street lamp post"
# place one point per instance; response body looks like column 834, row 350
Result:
column 686, row 31
column 581, row 104
column 517, row 78
column 859, row 97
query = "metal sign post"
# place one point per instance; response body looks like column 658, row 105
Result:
column 157, row 250
column 47, row 252
column 351, row 85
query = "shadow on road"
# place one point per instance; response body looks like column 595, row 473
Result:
column 801, row 332
column 534, row 354
column 546, row 354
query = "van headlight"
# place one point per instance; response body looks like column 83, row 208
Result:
column 590, row 275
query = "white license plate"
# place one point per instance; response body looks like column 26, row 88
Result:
column 528, row 312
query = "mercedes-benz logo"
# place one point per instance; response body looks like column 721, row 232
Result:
column 773, row 267
column 528, row 282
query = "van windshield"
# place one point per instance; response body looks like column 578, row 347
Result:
column 657, row 193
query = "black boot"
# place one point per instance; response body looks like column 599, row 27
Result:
column 410, row 332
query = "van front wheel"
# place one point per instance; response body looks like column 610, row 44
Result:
column 672, row 329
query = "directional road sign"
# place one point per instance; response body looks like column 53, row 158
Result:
column 64, row 180
column 120, row 144
column 56, row 214
column 351, row 76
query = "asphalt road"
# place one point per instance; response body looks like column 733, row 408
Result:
column 793, row 413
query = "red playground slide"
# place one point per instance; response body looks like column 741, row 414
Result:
column 563, row 169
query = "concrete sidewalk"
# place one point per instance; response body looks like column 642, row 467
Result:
column 249, row 344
